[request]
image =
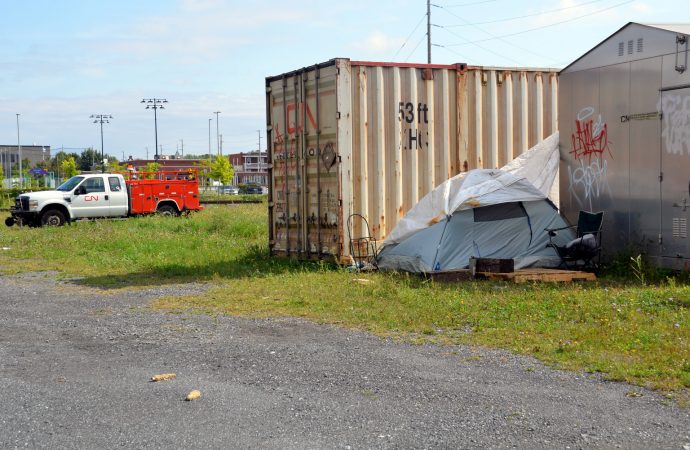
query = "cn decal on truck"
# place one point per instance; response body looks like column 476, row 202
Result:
column 368, row 138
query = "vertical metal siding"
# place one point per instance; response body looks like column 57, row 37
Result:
column 397, row 131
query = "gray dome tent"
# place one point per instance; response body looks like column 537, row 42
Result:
column 482, row 213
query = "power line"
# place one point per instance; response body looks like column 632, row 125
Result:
column 494, row 36
column 410, row 35
column 508, row 19
column 479, row 46
column 545, row 26
column 458, row 5
column 415, row 47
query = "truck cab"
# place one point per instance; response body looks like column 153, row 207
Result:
column 82, row 196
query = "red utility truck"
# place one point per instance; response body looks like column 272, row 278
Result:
column 109, row 195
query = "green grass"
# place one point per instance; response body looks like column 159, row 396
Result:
column 617, row 327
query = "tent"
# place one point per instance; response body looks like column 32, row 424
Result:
column 482, row 213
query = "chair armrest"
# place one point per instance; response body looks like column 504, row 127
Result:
column 552, row 231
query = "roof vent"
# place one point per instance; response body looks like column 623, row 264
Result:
column 630, row 47
column 640, row 45
column 621, row 48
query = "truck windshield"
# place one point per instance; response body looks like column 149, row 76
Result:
column 70, row 184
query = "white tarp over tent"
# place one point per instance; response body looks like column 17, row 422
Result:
column 481, row 213
column 539, row 166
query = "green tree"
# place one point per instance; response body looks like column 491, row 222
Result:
column 89, row 159
column 69, row 167
column 115, row 166
column 222, row 170
column 151, row 167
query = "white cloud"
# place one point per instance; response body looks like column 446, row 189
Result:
column 378, row 43
column 643, row 8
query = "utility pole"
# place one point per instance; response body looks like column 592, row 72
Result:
column 19, row 148
column 217, row 133
column 428, row 31
column 182, row 146
column 209, row 139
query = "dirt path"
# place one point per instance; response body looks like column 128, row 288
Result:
column 75, row 365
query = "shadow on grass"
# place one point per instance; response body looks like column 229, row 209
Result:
column 257, row 264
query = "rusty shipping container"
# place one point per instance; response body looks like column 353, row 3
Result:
column 348, row 137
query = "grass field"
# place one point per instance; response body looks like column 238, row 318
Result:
column 617, row 327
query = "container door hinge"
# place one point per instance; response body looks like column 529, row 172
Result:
column 681, row 40
column 337, row 115
column 661, row 239
column 661, row 177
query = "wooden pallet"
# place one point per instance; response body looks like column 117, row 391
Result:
column 519, row 276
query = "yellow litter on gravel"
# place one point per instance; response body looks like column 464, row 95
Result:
column 164, row 377
column 193, row 395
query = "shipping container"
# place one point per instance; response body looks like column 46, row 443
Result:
column 370, row 138
column 625, row 141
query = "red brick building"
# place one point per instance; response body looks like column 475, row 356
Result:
column 250, row 167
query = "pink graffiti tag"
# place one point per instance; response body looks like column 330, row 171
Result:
column 591, row 138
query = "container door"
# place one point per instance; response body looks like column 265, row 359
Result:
column 675, row 177
column 304, row 201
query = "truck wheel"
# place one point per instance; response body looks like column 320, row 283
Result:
column 53, row 218
column 167, row 210
column 9, row 221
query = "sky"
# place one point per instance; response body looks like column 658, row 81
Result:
column 64, row 61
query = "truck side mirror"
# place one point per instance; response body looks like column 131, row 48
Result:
column 81, row 190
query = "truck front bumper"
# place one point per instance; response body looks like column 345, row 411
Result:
column 24, row 217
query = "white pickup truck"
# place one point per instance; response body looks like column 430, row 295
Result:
column 107, row 195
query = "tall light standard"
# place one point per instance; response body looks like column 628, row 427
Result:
column 19, row 148
column 209, row 139
column 154, row 104
column 217, row 133
column 101, row 119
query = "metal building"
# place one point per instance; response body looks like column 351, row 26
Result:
column 624, row 115
column 372, row 138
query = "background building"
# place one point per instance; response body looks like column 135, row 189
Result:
column 34, row 153
column 250, row 167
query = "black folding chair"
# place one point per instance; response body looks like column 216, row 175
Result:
column 584, row 252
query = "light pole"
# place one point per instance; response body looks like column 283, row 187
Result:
column 101, row 119
column 217, row 133
column 19, row 148
column 154, row 104
column 209, row 139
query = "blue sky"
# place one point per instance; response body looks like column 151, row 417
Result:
column 66, row 60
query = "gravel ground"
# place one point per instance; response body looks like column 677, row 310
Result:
column 75, row 365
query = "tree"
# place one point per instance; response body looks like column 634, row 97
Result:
column 115, row 166
column 89, row 159
column 69, row 167
column 222, row 170
column 151, row 167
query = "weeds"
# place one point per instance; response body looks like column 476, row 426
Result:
column 637, row 332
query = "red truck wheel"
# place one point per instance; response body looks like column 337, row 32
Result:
column 167, row 210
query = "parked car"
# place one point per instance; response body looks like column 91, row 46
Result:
column 231, row 190
column 254, row 189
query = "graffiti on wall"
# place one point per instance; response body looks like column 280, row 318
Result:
column 588, row 181
column 591, row 134
column 588, row 176
column 675, row 125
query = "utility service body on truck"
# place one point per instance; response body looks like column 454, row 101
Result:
column 108, row 195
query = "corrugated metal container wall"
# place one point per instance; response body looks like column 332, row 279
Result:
column 350, row 137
